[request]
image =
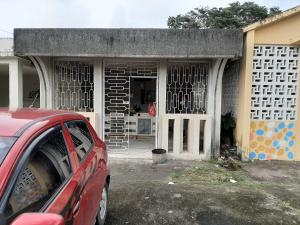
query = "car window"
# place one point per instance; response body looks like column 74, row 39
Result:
column 46, row 169
column 81, row 137
column 5, row 144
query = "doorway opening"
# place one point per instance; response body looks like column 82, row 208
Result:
column 4, row 85
column 142, row 114
column 129, row 95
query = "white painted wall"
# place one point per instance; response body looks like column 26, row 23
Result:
column 6, row 47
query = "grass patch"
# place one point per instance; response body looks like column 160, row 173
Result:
column 210, row 175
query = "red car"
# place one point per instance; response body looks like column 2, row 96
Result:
column 53, row 169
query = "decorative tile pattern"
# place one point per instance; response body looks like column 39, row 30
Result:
column 187, row 88
column 272, row 140
column 74, row 86
column 274, row 82
column 117, row 99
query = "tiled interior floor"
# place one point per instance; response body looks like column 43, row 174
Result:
column 139, row 147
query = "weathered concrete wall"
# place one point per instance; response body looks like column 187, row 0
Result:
column 151, row 43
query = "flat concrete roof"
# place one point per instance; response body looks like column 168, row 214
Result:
column 132, row 43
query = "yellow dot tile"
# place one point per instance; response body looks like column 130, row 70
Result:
column 261, row 148
column 268, row 142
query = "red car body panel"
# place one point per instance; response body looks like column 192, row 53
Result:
column 33, row 219
column 79, row 200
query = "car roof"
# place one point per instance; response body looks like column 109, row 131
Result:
column 12, row 122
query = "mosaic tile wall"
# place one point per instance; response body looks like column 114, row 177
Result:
column 272, row 140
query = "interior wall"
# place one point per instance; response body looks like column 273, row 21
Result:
column 4, row 85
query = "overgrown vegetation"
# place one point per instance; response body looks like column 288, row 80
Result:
column 213, row 175
column 228, row 124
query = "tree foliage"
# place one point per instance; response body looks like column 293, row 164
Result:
column 236, row 15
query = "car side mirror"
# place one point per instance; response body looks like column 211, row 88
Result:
column 39, row 219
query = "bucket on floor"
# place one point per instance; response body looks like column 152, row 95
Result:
column 159, row 155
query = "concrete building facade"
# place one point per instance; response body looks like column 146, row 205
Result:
column 115, row 76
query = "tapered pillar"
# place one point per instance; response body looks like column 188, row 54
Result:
column 15, row 85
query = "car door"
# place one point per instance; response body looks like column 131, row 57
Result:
column 90, row 181
column 42, row 178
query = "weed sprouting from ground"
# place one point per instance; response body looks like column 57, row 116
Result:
column 210, row 174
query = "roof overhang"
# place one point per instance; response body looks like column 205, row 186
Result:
column 144, row 43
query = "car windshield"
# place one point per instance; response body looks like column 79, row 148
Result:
column 5, row 145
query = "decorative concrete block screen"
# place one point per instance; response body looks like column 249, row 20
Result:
column 187, row 88
column 117, row 99
column 274, row 102
column 274, row 82
column 74, row 86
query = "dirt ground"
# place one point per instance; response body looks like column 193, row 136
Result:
column 264, row 193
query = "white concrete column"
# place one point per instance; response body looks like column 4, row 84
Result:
column 218, row 108
column 161, row 98
column 194, row 136
column 214, row 102
column 47, row 65
column 44, row 68
column 15, row 84
column 178, row 136
column 207, row 139
column 98, row 97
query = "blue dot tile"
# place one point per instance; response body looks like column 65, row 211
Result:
column 281, row 125
column 291, row 143
column 261, row 156
column 291, row 126
column 260, row 132
column 252, row 155
column 275, row 143
column 291, row 155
